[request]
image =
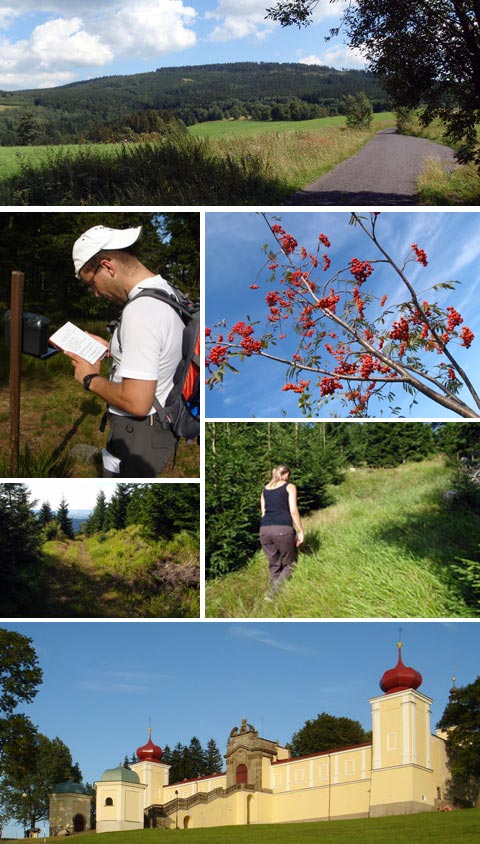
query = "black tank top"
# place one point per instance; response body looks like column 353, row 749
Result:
column 277, row 509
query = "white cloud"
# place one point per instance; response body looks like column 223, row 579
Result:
column 7, row 16
column 90, row 35
column 153, row 28
column 338, row 57
column 65, row 42
column 239, row 20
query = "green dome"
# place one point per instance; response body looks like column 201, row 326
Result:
column 69, row 788
column 120, row 774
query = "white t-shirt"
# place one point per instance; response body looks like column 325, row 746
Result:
column 151, row 336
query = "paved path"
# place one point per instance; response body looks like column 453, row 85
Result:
column 384, row 172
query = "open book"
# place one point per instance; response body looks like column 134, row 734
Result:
column 70, row 338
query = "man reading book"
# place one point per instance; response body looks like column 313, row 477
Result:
column 144, row 357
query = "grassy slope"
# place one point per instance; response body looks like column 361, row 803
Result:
column 442, row 828
column 120, row 575
column 382, row 550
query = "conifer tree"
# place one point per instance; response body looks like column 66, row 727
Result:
column 116, row 514
column 96, row 522
column 20, row 544
column 64, row 519
column 45, row 515
column 213, row 758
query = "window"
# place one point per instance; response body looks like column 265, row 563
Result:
column 108, row 801
column 241, row 775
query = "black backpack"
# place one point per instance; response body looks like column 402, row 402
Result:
column 181, row 411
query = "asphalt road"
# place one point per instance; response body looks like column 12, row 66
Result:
column 384, row 172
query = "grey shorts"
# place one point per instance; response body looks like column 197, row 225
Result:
column 141, row 444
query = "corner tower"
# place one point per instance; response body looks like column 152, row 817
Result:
column 404, row 777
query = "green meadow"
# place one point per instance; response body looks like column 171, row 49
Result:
column 462, row 827
column 388, row 547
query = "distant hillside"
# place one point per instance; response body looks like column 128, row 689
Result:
column 260, row 90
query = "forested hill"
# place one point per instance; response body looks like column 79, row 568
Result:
column 193, row 94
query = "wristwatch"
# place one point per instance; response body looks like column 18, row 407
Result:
column 88, row 378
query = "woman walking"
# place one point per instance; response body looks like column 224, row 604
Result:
column 281, row 529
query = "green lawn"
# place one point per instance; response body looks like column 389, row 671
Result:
column 461, row 827
column 384, row 549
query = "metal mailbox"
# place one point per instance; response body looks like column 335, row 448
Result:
column 35, row 333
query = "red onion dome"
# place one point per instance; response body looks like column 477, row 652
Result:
column 150, row 752
column 400, row 678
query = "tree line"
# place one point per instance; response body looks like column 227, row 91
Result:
column 239, row 458
column 162, row 510
column 167, row 100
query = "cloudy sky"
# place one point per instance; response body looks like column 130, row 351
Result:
column 54, row 42
column 234, row 256
column 104, row 681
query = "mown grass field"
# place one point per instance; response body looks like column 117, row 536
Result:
column 384, row 549
column 461, row 827
column 235, row 128
column 118, row 574
column 55, row 416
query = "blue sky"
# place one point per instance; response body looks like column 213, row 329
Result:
column 234, row 256
column 45, row 43
column 104, row 681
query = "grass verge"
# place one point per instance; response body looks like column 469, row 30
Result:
column 384, row 549
column 232, row 168
column 438, row 184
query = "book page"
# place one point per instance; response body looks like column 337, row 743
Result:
column 70, row 338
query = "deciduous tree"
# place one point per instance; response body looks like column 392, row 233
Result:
column 426, row 52
column 461, row 721
column 356, row 341
column 327, row 732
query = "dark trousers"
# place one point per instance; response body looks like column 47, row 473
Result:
column 279, row 544
column 141, row 444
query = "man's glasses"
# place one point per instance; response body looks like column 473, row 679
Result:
column 91, row 280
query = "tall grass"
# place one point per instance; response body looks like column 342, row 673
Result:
column 120, row 574
column 439, row 184
column 386, row 548
column 185, row 170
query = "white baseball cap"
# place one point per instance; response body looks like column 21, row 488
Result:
column 101, row 237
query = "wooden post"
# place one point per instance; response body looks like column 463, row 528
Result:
column 16, row 319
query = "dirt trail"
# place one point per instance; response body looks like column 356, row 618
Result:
column 384, row 172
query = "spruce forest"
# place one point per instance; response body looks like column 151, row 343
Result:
column 134, row 556
column 169, row 99
column 390, row 511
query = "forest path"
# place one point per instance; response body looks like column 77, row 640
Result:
column 75, row 586
column 384, row 172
